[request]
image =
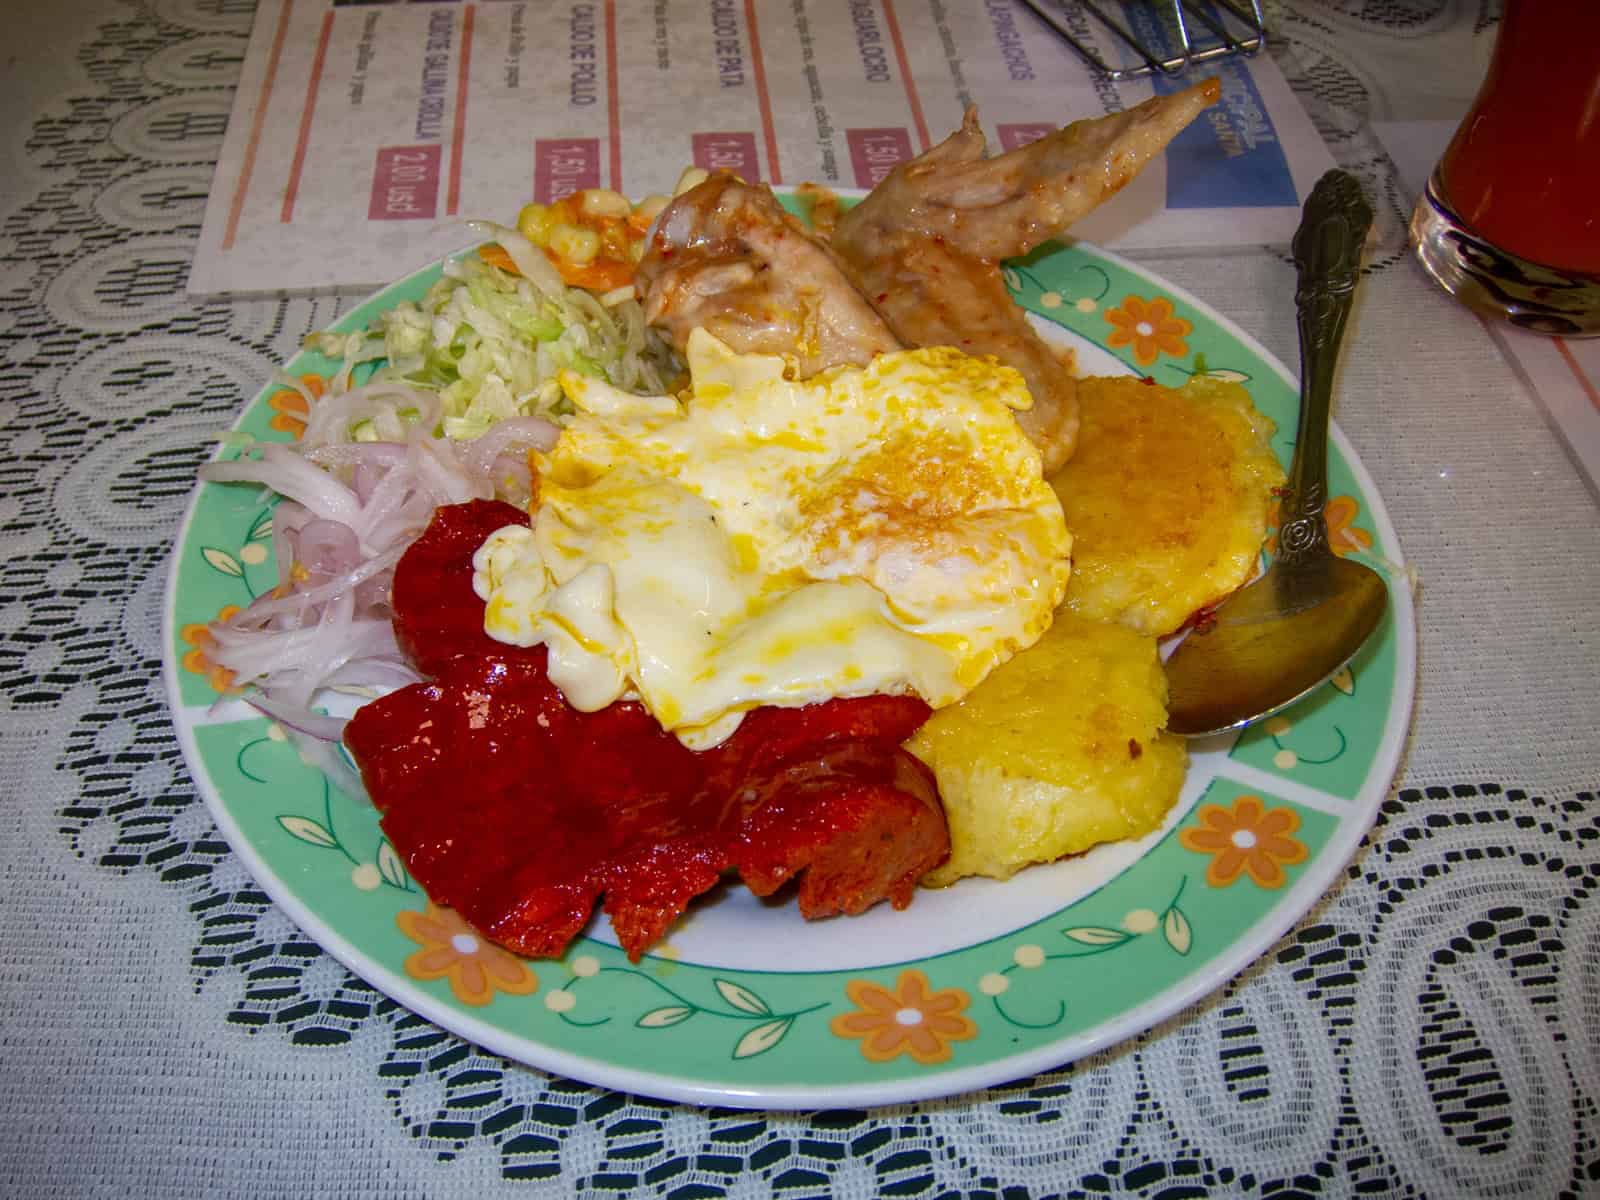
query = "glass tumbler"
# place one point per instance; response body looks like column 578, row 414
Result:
column 1509, row 222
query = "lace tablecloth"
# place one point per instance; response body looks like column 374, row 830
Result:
column 1430, row 1028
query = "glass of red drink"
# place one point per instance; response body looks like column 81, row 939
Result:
column 1510, row 220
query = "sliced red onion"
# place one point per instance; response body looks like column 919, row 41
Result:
column 364, row 480
column 443, row 476
column 388, row 498
column 289, row 474
column 513, row 478
column 302, row 603
column 315, row 724
column 329, row 548
column 358, row 456
column 374, row 672
column 315, row 648
column 526, row 433
column 287, row 517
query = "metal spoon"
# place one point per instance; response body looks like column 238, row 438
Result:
column 1294, row 627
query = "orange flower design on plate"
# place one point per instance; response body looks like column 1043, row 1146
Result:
column 1340, row 514
column 197, row 659
column 289, row 409
column 1150, row 327
column 912, row 1019
column 452, row 949
column 1246, row 837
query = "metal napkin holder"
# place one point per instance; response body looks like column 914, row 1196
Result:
column 1196, row 33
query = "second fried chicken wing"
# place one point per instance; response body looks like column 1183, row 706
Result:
column 925, row 246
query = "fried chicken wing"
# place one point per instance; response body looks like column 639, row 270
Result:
column 726, row 257
column 925, row 246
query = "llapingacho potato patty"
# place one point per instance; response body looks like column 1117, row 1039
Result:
column 1166, row 498
column 1058, row 750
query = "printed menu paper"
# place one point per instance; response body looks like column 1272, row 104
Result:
column 365, row 133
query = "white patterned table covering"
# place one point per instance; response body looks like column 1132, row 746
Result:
column 1429, row 1029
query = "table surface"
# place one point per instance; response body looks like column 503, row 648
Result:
column 1432, row 1027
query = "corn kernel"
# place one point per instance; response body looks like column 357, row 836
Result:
column 603, row 202
column 614, row 240
column 574, row 243
column 534, row 222
column 692, row 177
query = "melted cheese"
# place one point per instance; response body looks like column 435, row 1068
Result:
column 767, row 541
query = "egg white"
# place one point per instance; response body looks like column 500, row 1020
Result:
column 761, row 540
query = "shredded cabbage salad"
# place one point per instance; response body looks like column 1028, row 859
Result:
column 490, row 343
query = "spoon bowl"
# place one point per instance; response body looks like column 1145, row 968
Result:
column 1279, row 637
column 1235, row 671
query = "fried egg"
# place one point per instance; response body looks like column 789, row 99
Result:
column 761, row 540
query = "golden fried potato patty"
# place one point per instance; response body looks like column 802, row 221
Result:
column 1056, row 751
column 1166, row 498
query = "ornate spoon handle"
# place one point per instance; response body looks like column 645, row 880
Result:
column 1327, row 255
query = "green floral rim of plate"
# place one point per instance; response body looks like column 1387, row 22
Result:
column 1267, row 823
